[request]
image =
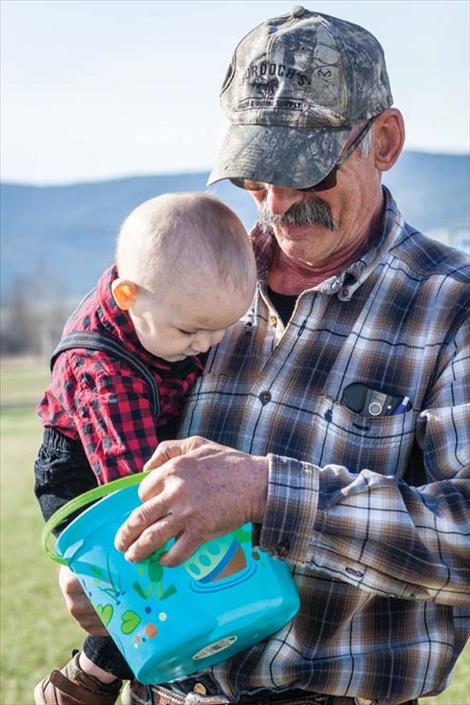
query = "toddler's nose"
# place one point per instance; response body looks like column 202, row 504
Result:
column 204, row 342
column 217, row 337
column 200, row 348
column 201, row 344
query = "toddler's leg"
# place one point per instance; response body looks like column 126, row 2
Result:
column 61, row 472
column 102, row 653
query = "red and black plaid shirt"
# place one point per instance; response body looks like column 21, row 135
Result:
column 99, row 399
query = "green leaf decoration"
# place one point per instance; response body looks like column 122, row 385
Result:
column 168, row 592
column 96, row 571
column 130, row 621
column 141, row 592
column 105, row 613
column 141, row 570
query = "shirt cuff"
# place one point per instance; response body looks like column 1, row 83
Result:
column 291, row 507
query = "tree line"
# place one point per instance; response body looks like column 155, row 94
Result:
column 32, row 316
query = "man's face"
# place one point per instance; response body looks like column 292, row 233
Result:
column 314, row 227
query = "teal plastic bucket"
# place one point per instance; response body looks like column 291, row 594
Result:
column 171, row 622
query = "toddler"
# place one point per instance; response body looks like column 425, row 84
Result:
column 184, row 272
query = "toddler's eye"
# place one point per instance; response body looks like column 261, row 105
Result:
column 185, row 332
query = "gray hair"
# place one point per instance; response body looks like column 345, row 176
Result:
column 366, row 144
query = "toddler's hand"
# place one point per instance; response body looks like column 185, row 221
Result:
column 78, row 603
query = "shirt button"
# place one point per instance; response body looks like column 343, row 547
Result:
column 282, row 549
column 273, row 321
column 200, row 689
column 265, row 397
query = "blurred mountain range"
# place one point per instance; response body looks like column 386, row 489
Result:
column 63, row 236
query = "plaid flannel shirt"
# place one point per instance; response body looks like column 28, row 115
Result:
column 372, row 513
column 100, row 400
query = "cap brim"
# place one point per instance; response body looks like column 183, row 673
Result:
column 285, row 156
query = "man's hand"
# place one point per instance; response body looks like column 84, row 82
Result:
column 78, row 603
column 200, row 490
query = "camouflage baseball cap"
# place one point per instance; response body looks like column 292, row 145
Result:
column 295, row 87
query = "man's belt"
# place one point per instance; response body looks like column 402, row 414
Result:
column 163, row 696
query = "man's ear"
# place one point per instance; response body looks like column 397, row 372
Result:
column 124, row 293
column 389, row 137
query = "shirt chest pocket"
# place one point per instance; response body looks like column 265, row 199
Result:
column 381, row 444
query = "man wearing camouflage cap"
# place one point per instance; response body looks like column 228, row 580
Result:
column 345, row 392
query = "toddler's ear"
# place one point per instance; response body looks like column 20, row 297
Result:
column 124, row 293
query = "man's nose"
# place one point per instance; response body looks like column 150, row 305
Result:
column 279, row 198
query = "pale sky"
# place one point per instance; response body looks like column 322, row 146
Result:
column 95, row 89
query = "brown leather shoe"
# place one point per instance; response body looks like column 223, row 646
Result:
column 71, row 686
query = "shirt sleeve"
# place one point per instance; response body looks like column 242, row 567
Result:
column 111, row 408
column 374, row 531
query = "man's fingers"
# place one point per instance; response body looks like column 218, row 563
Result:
column 182, row 549
column 171, row 449
column 163, row 452
column 152, row 485
column 155, row 536
column 166, row 451
column 140, row 518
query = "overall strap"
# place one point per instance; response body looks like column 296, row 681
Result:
column 93, row 340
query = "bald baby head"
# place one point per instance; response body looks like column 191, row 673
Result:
column 184, row 237
column 186, row 271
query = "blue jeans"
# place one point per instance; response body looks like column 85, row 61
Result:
column 62, row 472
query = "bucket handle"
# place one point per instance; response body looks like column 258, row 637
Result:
column 81, row 501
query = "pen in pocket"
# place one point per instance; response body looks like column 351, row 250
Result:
column 403, row 406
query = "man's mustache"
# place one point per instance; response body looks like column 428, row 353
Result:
column 316, row 212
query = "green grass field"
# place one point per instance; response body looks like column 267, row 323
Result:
column 36, row 631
